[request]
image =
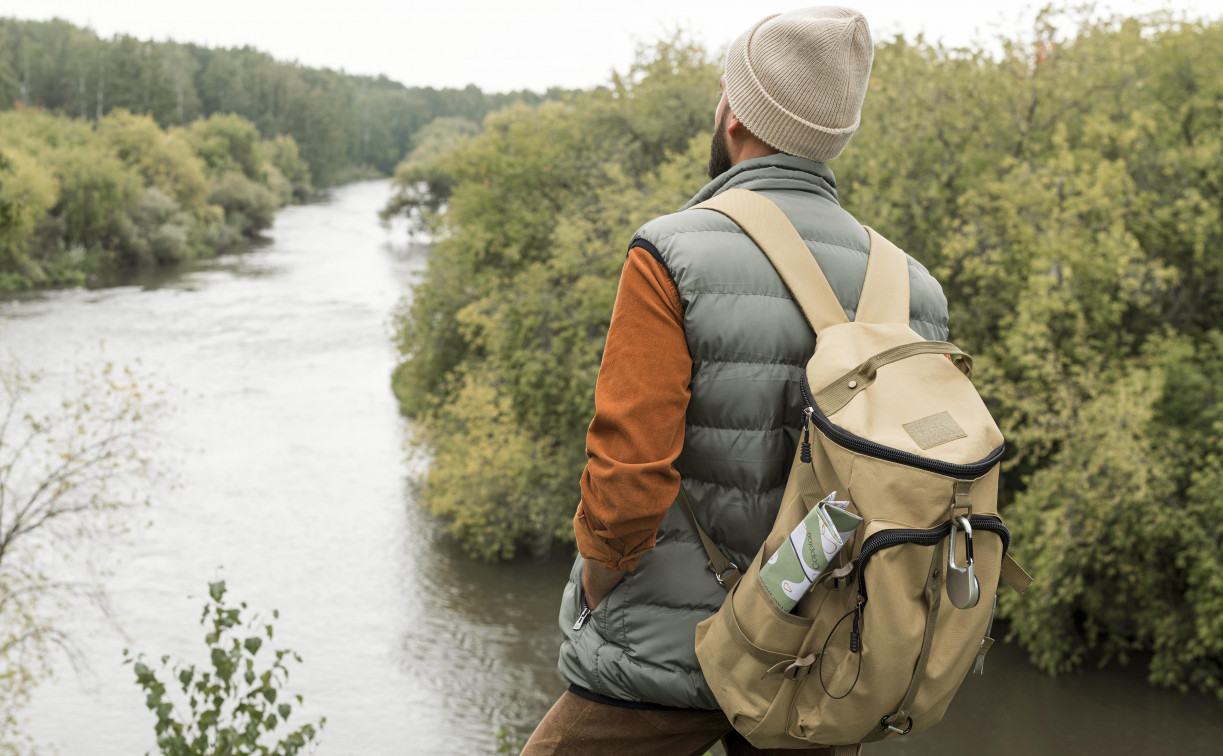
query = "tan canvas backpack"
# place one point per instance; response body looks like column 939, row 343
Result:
column 879, row 645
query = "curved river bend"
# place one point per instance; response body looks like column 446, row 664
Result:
column 292, row 486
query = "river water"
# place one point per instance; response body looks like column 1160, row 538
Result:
column 293, row 484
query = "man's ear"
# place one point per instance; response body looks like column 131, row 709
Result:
column 734, row 127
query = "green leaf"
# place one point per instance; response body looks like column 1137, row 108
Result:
column 253, row 644
column 217, row 590
column 284, row 710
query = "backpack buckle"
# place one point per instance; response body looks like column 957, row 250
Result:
column 962, row 586
column 728, row 582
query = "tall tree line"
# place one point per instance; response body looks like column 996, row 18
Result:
column 340, row 122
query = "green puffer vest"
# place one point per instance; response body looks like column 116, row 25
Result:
column 749, row 343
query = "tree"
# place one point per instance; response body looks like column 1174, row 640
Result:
column 69, row 474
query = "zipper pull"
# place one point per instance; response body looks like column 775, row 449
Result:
column 583, row 615
column 806, row 453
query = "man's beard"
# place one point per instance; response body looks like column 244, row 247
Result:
column 719, row 155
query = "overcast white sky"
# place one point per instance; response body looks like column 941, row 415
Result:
column 511, row 44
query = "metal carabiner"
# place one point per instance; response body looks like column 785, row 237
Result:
column 962, row 586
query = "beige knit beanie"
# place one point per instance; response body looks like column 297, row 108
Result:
column 797, row 80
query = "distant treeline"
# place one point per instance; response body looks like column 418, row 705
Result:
column 119, row 153
column 341, row 123
column 1068, row 194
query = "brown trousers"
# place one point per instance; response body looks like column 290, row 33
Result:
column 575, row 726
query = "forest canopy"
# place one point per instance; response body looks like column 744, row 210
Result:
column 1067, row 193
column 343, row 124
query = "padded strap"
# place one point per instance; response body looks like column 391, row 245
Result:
column 885, row 292
column 772, row 231
column 722, row 568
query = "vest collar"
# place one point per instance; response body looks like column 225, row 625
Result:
column 778, row 171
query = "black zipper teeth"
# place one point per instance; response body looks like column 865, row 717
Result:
column 858, row 444
column 897, row 536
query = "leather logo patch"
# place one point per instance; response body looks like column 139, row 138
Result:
column 931, row 431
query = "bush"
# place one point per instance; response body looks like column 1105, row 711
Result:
column 234, row 706
column 249, row 207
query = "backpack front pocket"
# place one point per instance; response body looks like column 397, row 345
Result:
column 899, row 643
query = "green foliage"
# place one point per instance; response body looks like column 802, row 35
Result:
column 249, row 206
column 27, row 193
column 507, row 743
column 233, row 706
column 164, row 160
column 227, row 143
column 77, row 201
column 281, row 155
column 1068, row 194
column 422, row 183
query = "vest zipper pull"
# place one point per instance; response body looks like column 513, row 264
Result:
column 806, row 452
column 583, row 615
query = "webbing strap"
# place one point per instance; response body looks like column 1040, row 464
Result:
column 772, row 231
column 1014, row 575
column 885, row 292
column 846, row 750
column 722, row 568
column 901, row 721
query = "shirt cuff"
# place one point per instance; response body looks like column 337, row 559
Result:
column 598, row 544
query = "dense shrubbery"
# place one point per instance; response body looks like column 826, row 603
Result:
column 75, row 200
column 1068, row 195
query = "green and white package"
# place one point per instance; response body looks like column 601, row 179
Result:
column 807, row 553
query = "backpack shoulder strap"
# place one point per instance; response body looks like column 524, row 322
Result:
column 768, row 226
column 885, row 292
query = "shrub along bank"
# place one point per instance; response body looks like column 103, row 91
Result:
column 75, row 200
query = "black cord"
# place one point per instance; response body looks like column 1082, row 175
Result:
column 857, row 652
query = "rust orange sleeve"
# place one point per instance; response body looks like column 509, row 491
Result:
column 638, row 429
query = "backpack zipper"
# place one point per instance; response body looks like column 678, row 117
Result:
column 897, row 536
column 854, row 443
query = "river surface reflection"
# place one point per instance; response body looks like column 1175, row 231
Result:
column 293, row 486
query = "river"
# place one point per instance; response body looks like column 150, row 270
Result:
column 293, row 483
